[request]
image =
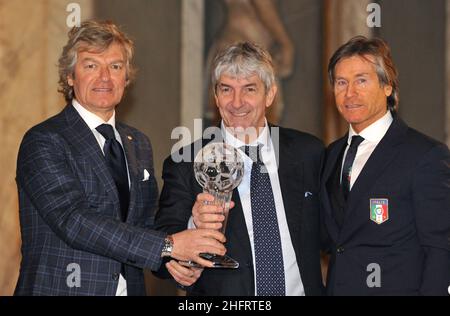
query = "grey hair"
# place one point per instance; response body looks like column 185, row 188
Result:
column 244, row 59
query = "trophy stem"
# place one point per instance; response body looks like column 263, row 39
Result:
column 222, row 199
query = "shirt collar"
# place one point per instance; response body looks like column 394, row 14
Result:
column 90, row 118
column 263, row 138
column 374, row 132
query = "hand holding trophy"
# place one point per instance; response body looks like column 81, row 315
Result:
column 219, row 169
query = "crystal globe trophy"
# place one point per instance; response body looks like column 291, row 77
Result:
column 219, row 169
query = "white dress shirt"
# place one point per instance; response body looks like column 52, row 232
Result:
column 293, row 281
column 93, row 121
column 372, row 136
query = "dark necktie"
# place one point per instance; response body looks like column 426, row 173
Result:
column 348, row 163
column 115, row 159
column 266, row 234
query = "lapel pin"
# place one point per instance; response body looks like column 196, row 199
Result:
column 129, row 137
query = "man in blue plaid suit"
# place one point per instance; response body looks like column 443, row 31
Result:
column 82, row 232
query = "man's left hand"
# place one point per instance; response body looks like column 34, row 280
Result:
column 186, row 276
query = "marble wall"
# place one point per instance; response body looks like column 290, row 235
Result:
column 416, row 32
column 32, row 33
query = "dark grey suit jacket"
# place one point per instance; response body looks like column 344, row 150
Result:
column 69, row 211
column 300, row 157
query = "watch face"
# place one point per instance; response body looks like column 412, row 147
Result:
column 167, row 248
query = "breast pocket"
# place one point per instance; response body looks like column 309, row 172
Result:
column 146, row 193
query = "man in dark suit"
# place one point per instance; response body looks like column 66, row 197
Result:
column 385, row 189
column 273, row 229
column 86, row 184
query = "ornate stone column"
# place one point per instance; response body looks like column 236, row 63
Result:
column 192, row 76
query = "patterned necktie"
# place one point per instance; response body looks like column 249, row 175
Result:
column 266, row 234
column 115, row 159
column 348, row 163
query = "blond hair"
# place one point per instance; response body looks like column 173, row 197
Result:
column 92, row 36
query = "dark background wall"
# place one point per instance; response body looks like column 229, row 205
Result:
column 415, row 30
column 303, row 90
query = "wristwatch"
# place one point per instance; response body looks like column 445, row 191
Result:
column 168, row 246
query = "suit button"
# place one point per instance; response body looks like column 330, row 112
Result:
column 340, row 250
column 115, row 276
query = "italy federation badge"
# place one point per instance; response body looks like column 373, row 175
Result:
column 379, row 210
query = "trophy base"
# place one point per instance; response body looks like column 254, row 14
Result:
column 223, row 262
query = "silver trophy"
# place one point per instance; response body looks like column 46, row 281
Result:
column 219, row 169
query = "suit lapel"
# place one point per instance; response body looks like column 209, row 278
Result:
column 328, row 172
column 290, row 175
column 333, row 155
column 238, row 229
column 82, row 139
column 381, row 157
column 130, row 153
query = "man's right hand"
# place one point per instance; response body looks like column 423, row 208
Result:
column 205, row 214
column 188, row 244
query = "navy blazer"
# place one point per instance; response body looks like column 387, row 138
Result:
column 410, row 173
column 300, row 157
column 69, row 211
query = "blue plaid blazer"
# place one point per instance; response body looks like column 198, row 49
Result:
column 73, row 241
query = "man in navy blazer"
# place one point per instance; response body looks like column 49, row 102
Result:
column 385, row 189
column 86, row 184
